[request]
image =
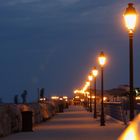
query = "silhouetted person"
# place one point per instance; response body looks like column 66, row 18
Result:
column 42, row 92
column 0, row 100
column 24, row 96
column 16, row 99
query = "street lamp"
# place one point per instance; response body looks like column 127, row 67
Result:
column 86, row 94
column 130, row 17
column 95, row 73
column 87, row 83
column 90, row 77
column 102, row 61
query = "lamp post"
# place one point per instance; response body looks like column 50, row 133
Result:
column 130, row 17
column 95, row 73
column 86, row 86
column 90, row 101
column 102, row 60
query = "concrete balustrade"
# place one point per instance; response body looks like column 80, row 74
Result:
column 11, row 117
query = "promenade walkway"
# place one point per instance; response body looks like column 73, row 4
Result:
column 74, row 124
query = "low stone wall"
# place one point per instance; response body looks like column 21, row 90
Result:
column 11, row 117
column 36, row 111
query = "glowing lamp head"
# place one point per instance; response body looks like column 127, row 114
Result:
column 87, row 83
column 102, row 59
column 130, row 17
column 94, row 72
column 75, row 91
column 90, row 77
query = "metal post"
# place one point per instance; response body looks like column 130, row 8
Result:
column 102, row 119
column 131, row 94
column 95, row 114
column 38, row 94
column 90, row 104
column 87, row 102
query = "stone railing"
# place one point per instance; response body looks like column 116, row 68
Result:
column 11, row 116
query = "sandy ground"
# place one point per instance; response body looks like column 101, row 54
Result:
column 73, row 124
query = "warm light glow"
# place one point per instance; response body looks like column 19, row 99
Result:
column 60, row 99
column 82, row 91
column 88, row 83
column 65, row 97
column 95, row 72
column 42, row 99
column 130, row 21
column 77, row 97
column 130, row 17
column 137, row 92
column 75, row 91
column 86, row 93
column 105, row 98
column 88, row 96
column 137, row 98
column 84, row 88
column 79, row 91
column 132, row 131
column 130, row 135
column 102, row 59
column 93, row 97
column 54, row 97
column 90, row 77
column 82, row 100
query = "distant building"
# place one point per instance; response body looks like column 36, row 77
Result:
column 122, row 91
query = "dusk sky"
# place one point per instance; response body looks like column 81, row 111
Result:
column 55, row 43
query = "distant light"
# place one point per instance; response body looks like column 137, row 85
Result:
column 90, row 78
column 136, row 91
column 84, row 88
column 105, row 98
column 54, row 97
column 60, row 99
column 87, row 83
column 65, row 97
column 75, row 91
column 95, row 72
column 77, row 97
column 42, row 99
column 93, row 97
column 138, row 98
column 78, row 91
column 82, row 100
